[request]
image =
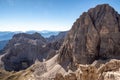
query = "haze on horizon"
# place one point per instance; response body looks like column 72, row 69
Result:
column 53, row 15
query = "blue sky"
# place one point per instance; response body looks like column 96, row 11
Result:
column 54, row 15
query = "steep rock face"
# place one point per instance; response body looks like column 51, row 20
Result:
column 96, row 34
column 55, row 42
column 58, row 37
column 22, row 50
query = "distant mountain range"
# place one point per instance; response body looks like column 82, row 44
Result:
column 45, row 33
column 6, row 35
column 3, row 43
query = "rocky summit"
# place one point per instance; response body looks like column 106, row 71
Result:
column 95, row 35
column 19, row 51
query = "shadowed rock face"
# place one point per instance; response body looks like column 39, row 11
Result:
column 58, row 37
column 55, row 42
column 96, row 34
column 23, row 49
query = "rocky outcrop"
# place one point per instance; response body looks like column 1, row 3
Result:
column 22, row 50
column 110, row 70
column 107, row 71
column 58, row 37
column 55, row 42
column 95, row 35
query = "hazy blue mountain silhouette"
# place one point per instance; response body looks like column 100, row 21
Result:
column 8, row 35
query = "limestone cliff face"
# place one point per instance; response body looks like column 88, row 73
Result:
column 23, row 49
column 55, row 42
column 95, row 35
column 108, row 71
column 58, row 37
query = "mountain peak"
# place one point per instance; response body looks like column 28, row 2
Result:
column 90, row 36
column 105, row 7
column 30, row 36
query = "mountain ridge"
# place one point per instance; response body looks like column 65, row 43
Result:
column 24, row 49
column 87, row 41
